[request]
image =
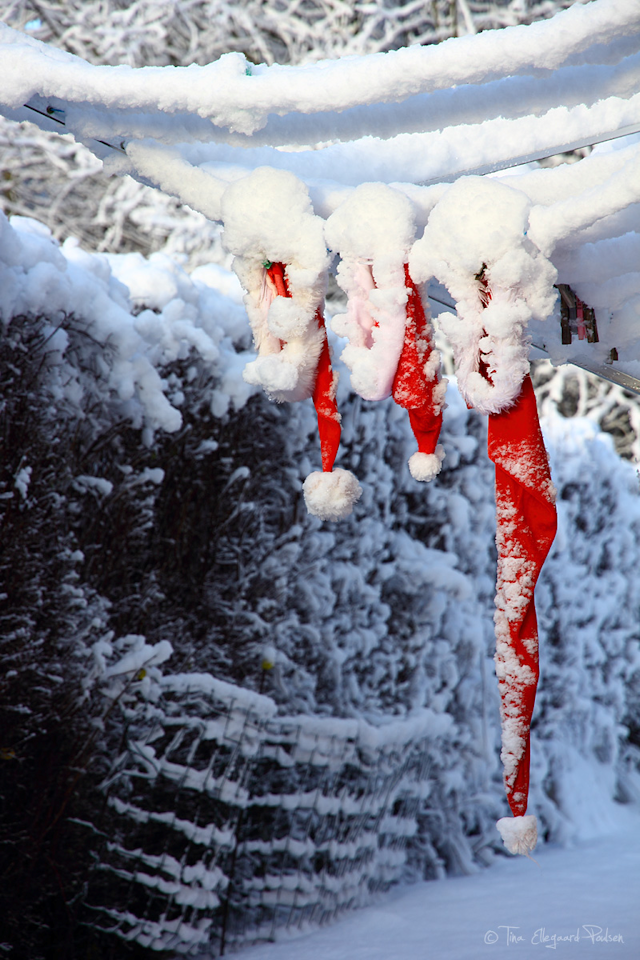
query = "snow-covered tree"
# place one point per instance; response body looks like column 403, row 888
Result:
column 150, row 32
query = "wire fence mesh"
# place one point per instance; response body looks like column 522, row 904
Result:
column 227, row 822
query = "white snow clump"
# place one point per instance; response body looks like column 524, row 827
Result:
column 479, row 228
column 268, row 218
column 373, row 231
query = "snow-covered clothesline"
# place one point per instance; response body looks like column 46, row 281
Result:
column 577, row 90
column 469, row 105
column 238, row 96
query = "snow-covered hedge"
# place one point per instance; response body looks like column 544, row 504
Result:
column 149, row 499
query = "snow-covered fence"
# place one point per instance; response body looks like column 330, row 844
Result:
column 231, row 821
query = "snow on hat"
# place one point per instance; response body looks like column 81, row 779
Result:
column 329, row 494
column 281, row 260
column 390, row 349
column 479, row 226
column 267, row 218
column 417, row 387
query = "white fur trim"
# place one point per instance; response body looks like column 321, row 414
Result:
column 372, row 230
column 269, row 217
column 519, row 834
column 426, row 466
column 290, row 374
column 479, row 221
column 331, row 496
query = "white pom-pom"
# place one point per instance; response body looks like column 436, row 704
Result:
column 331, row 496
column 426, row 466
column 519, row 834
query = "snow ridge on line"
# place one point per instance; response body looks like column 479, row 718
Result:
column 242, row 102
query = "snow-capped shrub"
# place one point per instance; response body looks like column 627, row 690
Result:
column 150, row 500
column 80, row 396
column 585, row 723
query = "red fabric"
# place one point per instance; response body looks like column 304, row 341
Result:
column 324, row 398
column 276, row 275
column 411, row 388
column 526, row 526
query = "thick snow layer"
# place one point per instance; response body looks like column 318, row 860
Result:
column 479, row 229
column 581, row 902
column 482, row 145
column 233, row 94
column 372, row 231
column 508, row 97
column 146, row 312
column 408, row 158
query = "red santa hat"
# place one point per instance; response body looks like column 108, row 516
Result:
column 281, row 260
column 526, row 527
column 476, row 243
column 329, row 494
column 418, row 388
column 390, row 348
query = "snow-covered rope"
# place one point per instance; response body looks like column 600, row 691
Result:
column 591, row 193
column 508, row 97
column 557, row 90
column 437, row 156
column 232, row 94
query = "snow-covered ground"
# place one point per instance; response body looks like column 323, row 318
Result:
column 582, row 902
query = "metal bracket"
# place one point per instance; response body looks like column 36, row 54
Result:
column 437, row 293
column 576, row 317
